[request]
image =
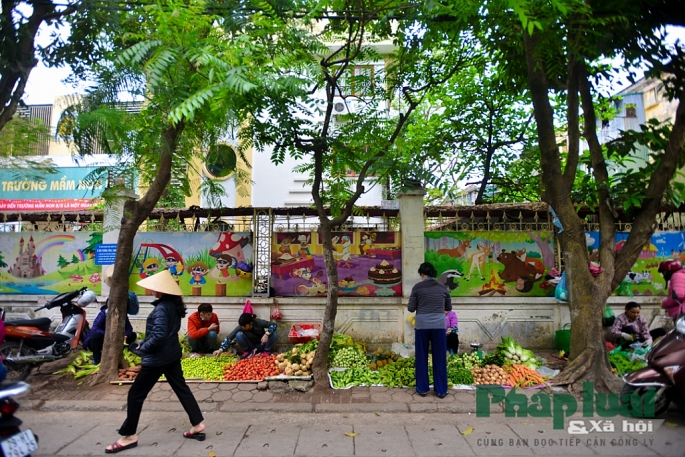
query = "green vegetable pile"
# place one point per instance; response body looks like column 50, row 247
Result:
column 494, row 358
column 399, row 374
column 350, row 357
column 209, row 368
column 81, row 366
column 515, row 354
column 624, row 365
column 467, row 361
column 131, row 358
column 460, row 376
column 308, row 347
column 354, row 377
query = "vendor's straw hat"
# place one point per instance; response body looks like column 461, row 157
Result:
column 161, row 282
column 107, row 275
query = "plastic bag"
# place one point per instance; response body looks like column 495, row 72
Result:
column 405, row 350
column 624, row 289
column 132, row 307
column 561, row 292
column 276, row 314
column 608, row 317
column 248, row 307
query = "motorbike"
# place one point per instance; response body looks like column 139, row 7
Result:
column 29, row 342
column 13, row 441
column 665, row 370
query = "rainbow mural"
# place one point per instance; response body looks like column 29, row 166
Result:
column 48, row 263
column 52, row 242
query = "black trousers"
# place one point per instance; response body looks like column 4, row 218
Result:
column 96, row 342
column 453, row 342
column 143, row 384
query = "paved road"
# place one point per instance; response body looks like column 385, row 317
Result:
column 247, row 434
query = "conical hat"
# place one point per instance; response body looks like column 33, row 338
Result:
column 107, row 275
column 161, row 282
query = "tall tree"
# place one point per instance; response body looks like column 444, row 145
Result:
column 562, row 43
column 159, row 59
column 327, row 57
column 21, row 21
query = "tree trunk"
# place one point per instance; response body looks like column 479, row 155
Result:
column 320, row 365
column 588, row 360
column 135, row 213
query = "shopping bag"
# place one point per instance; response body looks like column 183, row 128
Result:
column 248, row 308
column 608, row 317
column 276, row 314
column 561, row 292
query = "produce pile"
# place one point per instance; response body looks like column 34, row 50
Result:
column 349, row 357
column 354, row 377
column 252, row 369
column 490, row 374
column 459, row 368
column 522, row 376
column 128, row 374
column 81, row 366
column 512, row 353
column 295, row 362
column 381, row 358
column 624, row 365
column 208, row 368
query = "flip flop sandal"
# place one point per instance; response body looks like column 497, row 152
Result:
column 200, row 436
column 116, row 447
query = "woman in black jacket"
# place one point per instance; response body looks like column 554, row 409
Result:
column 161, row 353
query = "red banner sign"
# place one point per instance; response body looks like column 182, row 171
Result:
column 59, row 204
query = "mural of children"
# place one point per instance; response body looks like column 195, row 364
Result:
column 304, row 248
column 197, row 271
column 367, row 243
column 150, row 266
column 174, row 265
column 222, row 269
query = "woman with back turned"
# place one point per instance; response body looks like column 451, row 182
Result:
column 430, row 299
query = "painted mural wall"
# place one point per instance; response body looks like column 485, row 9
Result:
column 48, row 263
column 368, row 263
column 204, row 264
column 486, row 264
column 644, row 277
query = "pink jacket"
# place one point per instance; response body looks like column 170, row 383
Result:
column 676, row 283
column 451, row 320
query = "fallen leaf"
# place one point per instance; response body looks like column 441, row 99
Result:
column 350, row 434
column 671, row 424
column 377, row 414
column 468, row 431
column 212, row 454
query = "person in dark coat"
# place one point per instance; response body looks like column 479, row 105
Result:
column 161, row 354
column 252, row 335
column 430, row 299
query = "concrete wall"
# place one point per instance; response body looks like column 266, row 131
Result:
column 378, row 321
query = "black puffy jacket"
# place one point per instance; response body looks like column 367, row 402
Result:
column 161, row 346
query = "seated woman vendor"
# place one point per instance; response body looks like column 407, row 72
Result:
column 630, row 327
column 252, row 335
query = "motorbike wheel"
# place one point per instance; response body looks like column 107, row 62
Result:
column 14, row 373
column 661, row 401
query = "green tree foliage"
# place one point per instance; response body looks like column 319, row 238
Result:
column 62, row 262
column 557, row 48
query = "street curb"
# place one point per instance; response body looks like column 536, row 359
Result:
column 361, row 407
column 92, row 405
column 255, row 407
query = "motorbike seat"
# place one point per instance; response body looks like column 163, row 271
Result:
column 43, row 323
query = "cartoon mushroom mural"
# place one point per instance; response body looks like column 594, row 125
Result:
column 228, row 250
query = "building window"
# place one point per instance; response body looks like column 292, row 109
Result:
column 631, row 110
column 357, row 81
column 220, row 162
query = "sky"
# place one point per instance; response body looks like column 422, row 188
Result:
column 47, row 83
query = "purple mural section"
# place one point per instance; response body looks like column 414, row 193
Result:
column 368, row 263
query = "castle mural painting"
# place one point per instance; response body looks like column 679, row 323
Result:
column 215, row 264
column 368, row 263
column 486, row 264
column 48, row 263
column 644, row 277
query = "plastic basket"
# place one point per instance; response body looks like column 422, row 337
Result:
column 295, row 334
column 563, row 338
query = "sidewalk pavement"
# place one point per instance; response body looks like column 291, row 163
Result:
column 244, row 421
